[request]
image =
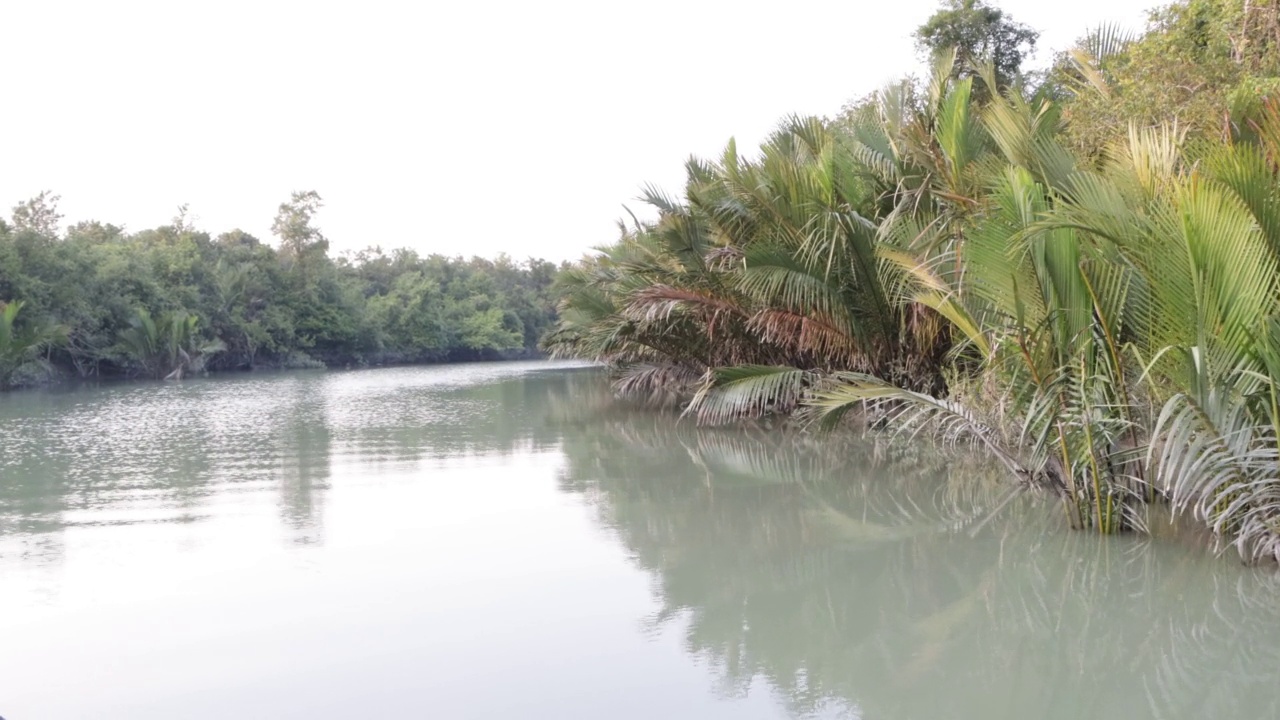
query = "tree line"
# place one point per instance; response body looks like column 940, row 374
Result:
column 1076, row 269
column 97, row 300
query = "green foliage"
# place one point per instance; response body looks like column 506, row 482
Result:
column 766, row 262
column 38, row 215
column 1081, row 281
column 978, row 34
column 168, row 346
column 293, row 225
column 1204, row 64
column 20, row 345
column 161, row 300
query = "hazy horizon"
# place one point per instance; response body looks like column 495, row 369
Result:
column 460, row 130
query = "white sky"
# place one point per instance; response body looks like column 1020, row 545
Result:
column 458, row 127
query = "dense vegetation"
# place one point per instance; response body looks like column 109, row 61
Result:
column 97, row 300
column 1075, row 270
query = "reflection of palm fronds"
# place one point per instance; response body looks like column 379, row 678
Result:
column 861, row 572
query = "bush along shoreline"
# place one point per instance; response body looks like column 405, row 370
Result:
column 98, row 302
column 1076, row 270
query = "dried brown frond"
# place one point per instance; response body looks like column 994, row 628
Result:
column 816, row 336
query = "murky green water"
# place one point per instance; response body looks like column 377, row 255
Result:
column 505, row 541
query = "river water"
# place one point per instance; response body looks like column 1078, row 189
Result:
column 508, row 541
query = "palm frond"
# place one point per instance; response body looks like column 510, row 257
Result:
column 749, row 391
column 911, row 413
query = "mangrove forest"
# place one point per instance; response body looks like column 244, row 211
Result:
column 1075, row 269
column 98, row 301
column 960, row 400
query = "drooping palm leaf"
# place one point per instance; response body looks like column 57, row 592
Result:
column 748, row 391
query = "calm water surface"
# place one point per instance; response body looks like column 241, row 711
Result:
column 505, row 541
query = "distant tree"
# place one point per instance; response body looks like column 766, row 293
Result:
column 162, row 300
column 979, row 34
column 94, row 232
column 238, row 238
column 39, row 215
column 184, row 220
column 293, row 224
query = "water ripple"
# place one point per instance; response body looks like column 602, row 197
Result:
column 140, row 452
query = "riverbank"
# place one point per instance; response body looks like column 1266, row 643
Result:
column 39, row 377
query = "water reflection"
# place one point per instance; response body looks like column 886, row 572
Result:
column 306, row 440
column 121, row 454
column 851, row 576
column 868, row 578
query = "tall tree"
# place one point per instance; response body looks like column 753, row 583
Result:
column 293, row 224
column 978, row 33
column 39, row 214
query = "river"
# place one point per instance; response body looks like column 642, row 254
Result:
column 509, row 541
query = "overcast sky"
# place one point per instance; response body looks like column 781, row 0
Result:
column 451, row 127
